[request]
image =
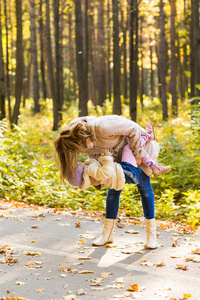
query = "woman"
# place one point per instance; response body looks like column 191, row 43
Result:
column 92, row 136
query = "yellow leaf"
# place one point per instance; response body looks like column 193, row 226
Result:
column 186, row 296
column 85, row 272
column 20, row 283
column 81, row 241
column 39, row 290
column 133, row 288
column 104, row 275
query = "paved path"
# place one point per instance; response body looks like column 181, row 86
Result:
column 47, row 254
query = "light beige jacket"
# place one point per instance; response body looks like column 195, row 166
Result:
column 106, row 171
column 111, row 132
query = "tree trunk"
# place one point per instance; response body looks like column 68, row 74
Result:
column 101, row 56
column 71, row 54
column 133, row 59
column 163, row 62
column 152, row 72
column 109, row 78
column 42, row 65
column 2, row 77
column 124, row 75
column 34, row 58
column 173, row 89
column 80, row 59
column 7, row 63
column 116, row 60
column 92, row 81
column 58, row 55
column 142, row 67
column 51, row 69
column 19, row 62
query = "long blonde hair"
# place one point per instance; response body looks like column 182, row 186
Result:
column 71, row 140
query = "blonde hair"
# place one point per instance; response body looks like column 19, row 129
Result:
column 71, row 140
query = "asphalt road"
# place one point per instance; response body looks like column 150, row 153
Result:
column 47, row 254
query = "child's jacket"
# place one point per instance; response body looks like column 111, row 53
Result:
column 106, row 171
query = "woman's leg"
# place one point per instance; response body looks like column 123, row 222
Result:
column 112, row 207
column 147, row 196
column 112, row 204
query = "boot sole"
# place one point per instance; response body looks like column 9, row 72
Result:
column 162, row 172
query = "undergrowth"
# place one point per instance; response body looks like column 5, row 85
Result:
column 29, row 172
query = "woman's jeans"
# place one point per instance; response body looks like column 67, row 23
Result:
column 147, row 195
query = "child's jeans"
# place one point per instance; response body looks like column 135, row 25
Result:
column 146, row 192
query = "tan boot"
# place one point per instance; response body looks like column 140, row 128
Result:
column 150, row 228
column 158, row 169
column 107, row 233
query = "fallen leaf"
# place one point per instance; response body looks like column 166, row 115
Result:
column 98, row 289
column 81, row 292
column 110, row 246
column 186, row 296
column 78, row 224
column 175, row 244
column 63, row 275
column 197, row 251
column 132, row 231
column 119, row 280
column 184, row 268
column 160, row 264
column 39, row 290
column 85, row 272
column 85, row 258
column 33, row 253
column 34, row 226
column 20, row 283
column 133, row 288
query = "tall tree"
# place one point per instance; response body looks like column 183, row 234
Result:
column 2, row 76
column 42, row 64
column 51, row 69
column 59, row 55
column 163, row 62
column 34, row 58
column 7, row 61
column 116, row 60
column 101, row 56
column 173, row 59
column 80, row 59
column 195, row 48
column 19, row 62
column 133, row 58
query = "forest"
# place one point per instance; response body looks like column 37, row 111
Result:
column 61, row 59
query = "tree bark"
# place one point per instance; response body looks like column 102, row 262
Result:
column 34, row 58
column 58, row 55
column 101, row 56
column 163, row 62
column 80, row 59
column 51, row 69
column 19, row 61
column 7, row 63
column 42, row 65
column 2, row 77
column 116, row 60
column 173, row 88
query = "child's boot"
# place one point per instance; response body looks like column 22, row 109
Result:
column 158, row 169
column 107, row 233
column 150, row 228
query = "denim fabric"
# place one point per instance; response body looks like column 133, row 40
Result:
column 147, row 196
column 132, row 172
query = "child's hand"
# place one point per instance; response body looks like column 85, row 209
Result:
column 107, row 153
column 81, row 165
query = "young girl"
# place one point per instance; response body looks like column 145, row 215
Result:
column 105, row 172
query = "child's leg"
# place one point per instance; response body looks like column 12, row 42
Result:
column 155, row 166
column 127, row 156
